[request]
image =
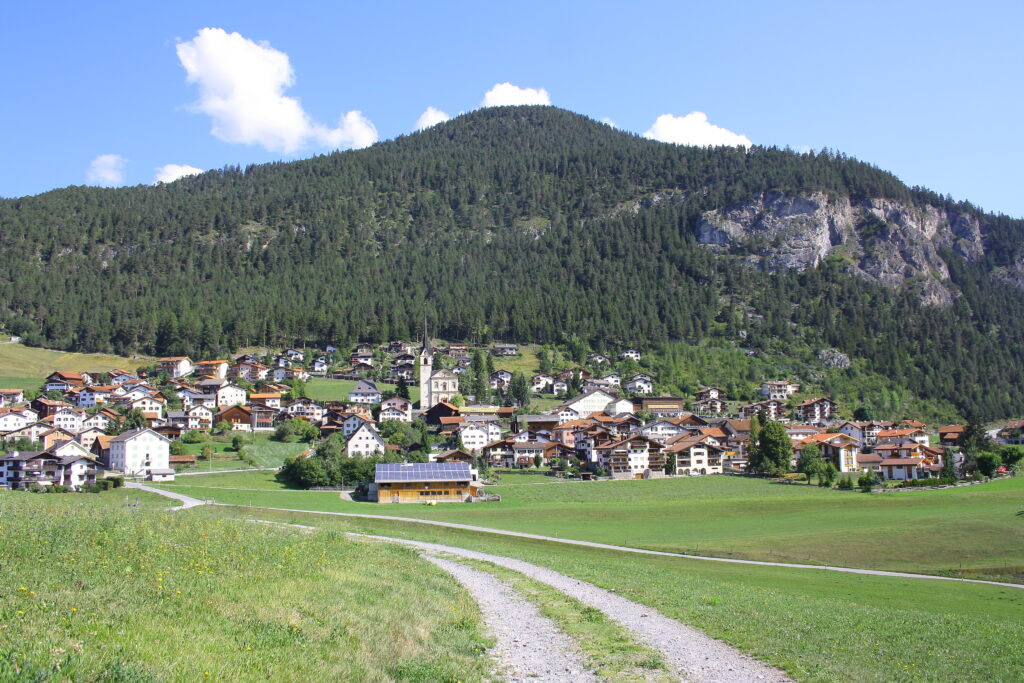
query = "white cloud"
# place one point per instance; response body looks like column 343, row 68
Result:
column 694, row 129
column 431, row 117
column 168, row 173
column 608, row 122
column 241, row 88
column 107, row 170
column 504, row 94
column 354, row 131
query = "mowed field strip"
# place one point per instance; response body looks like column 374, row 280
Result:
column 974, row 531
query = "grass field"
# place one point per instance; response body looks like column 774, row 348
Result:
column 971, row 529
column 265, row 451
column 92, row 591
column 526, row 362
column 17, row 360
column 323, row 389
column 819, row 626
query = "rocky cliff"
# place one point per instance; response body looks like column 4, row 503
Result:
column 883, row 240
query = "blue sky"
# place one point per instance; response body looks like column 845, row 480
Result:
column 110, row 93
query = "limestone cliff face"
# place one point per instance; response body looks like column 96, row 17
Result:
column 883, row 240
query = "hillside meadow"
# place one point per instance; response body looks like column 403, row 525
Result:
column 972, row 530
column 92, row 590
column 817, row 625
column 30, row 363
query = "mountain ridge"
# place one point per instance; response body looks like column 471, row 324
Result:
column 523, row 223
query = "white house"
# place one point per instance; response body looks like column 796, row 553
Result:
column 69, row 419
column 640, row 384
column 141, row 452
column 230, row 395
column 396, row 408
column 779, row 390
column 590, row 402
column 365, row 391
column 305, row 408
column 631, row 354
column 476, row 435
column 177, row 366
column 13, row 420
column 540, row 383
column 352, row 424
column 661, row 430
column 365, row 442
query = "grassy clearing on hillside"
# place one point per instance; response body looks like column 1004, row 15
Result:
column 23, row 383
column 95, row 592
column 526, row 362
column 17, row 360
column 818, row 625
column 609, row 648
column 265, row 451
column 323, row 389
column 972, row 529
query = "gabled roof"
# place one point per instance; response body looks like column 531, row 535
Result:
column 135, row 433
column 387, row 473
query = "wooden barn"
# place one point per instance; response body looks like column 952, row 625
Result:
column 425, row 482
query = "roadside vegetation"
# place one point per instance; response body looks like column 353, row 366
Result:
column 817, row 625
column 96, row 591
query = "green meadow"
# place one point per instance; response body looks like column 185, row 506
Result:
column 324, row 389
column 817, row 625
column 974, row 530
column 92, row 590
column 264, row 451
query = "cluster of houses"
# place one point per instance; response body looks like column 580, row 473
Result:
column 639, row 436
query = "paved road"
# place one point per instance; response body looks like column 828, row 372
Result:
column 243, row 469
column 619, row 548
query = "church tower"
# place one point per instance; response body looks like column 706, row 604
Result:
column 426, row 369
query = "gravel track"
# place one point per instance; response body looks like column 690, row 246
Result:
column 530, row 647
column 692, row 654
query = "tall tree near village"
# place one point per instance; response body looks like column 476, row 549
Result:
column 774, row 450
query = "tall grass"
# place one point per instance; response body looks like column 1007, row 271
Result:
column 91, row 590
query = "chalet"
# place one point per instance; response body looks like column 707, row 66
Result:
column 799, row 432
column 425, row 482
column 401, row 372
column 45, row 407
column 306, row 409
column 87, row 437
column 661, row 406
column 69, row 419
column 619, row 406
column 815, row 410
column 779, row 390
column 615, row 379
column 640, row 385
column 474, row 436
column 631, row 354
column 365, row 391
column 351, row 423
column 270, row 400
column 230, row 395
column 636, row 457
column 119, row 377
column 596, row 359
column 438, row 410
column 560, row 387
column 500, row 378
column 903, row 469
column 96, row 395
column 839, row 449
column 321, row 366
column 400, row 347
column 695, row 454
column 773, row 409
column 866, row 433
column 365, row 442
column 453, row 456
column 55, row 436
column 524, row 453
column 63, row 381
column 11, row 397
column 396, row 408
column 100, row 420
column 590, row 402
column 295, row 355
column 1012, row 432
column 141, row 452
column 912, row 433
column 950, row 435
column 65, row 464
column 191, row 397
column 152, row 407
column 709, row 393
column 12, row 419
column 709, row 406
column 662, row 430
column 251, row 372
column 458, row 350
column 505, row 350
column 213, row 368
column 176, row 366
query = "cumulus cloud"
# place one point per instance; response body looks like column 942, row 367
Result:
column 107, row 170
column 242, row 87
column 504, row 94
column 608, row 122
column 168, row 173
column 694, row 129
column 431, row 117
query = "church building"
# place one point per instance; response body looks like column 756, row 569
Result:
column 435, row 387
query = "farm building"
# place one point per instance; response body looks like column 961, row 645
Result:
column 416, row 482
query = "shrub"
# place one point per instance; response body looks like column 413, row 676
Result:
column 867, row 481
column 846, row 483
column 193, row 436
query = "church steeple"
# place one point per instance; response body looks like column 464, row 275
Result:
column 426, row 369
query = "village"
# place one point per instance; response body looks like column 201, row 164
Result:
column 83, row 428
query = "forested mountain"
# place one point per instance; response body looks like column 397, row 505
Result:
column 526, row 223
